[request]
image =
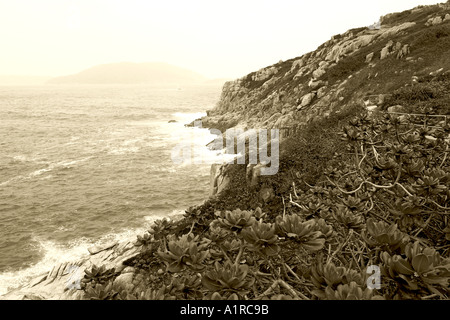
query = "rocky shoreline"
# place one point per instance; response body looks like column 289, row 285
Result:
column 62, row 281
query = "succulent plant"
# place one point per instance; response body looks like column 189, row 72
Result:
column 354, row 204
column 187, row 286
column 217, row 234
column 323, row 227
column 224, row 296
column 349, row 219
column 262, row 238
column 351, row 291
column 258, row 214
column 161, row 228
column 186, row 251
column 101, row 292
column 99, row 275
column 144, row 241
column 313, row 209
column 420, row 266
column 328, row 275
column 304, row 233
column 447, row 232
column 228, row 278
column 235, row 220
column 231, row 245
column 384, row 235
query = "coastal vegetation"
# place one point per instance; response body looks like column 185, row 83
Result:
column 381, row 200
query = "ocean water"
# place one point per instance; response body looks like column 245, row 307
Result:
column 82, row 165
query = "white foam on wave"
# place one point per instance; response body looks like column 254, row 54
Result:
column 152, row 218
column 54, row 253
column 21, row 158
column 51, row 167
column 192, row 147
column 123, row 150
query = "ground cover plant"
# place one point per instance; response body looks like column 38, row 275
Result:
column 382, row 204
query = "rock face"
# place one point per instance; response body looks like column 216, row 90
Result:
column 301, row 87
column 397, row 49
column 314, row 85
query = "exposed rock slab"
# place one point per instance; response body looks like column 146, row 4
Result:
column 60, row 283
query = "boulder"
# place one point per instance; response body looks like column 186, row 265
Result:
column 124, row 280
column 283, row 121
column 386, row 50
column 403, row 52
column 321, row 92
column 316, row 84
column 297, row 64
column 307, row 99
column 318, row 73
column 436, row 21
column 447, row 17
column 369, row 57
column 396, row 109
column 96, row 249
column 390, row 32
column 264, row 74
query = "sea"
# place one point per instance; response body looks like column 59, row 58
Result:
column 85, row 165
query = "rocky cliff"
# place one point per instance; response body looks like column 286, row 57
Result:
column 363, row 66
column 343, row 71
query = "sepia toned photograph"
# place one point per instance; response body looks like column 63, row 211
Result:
column 245, row 151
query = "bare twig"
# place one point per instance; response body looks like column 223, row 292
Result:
column 350, row 233
column 295, row 191
column 241, row 250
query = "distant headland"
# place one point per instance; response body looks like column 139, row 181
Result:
column 132, row 73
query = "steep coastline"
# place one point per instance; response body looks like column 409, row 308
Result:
column 341, row 75
column 341, row 72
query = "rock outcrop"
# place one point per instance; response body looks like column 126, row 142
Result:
column 311, row 86
column 62, row 282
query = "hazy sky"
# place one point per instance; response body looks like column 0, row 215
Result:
column 226, row 38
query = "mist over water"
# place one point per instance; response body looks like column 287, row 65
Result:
column 86, row 164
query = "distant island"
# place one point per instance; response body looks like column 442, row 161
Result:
column 132, row 73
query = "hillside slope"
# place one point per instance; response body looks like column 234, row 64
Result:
column 341, row 72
